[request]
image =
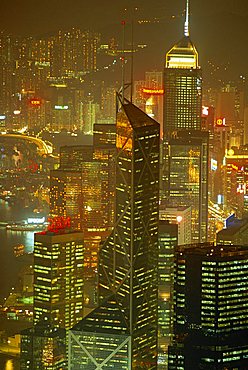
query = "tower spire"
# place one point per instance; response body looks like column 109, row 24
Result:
column 186, row 23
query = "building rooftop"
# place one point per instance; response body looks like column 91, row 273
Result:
column 136, row 116
column 213, row 251
column 182, row 55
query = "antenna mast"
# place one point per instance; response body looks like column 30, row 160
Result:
column 123, row 23
column 186, row 23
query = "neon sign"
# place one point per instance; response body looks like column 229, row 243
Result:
column 58, row 223
column 220, row 122
column 205, row 111
column 61, row 107
column 153, row 91
column 35, row 102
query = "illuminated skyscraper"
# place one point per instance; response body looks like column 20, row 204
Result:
column 168, row 240
column 66, row 196
column 84, row 186
column 210, row 308
column 58, row 297
column 185, row 147
column 183, row 86
column 58, row 278
column 83, row 189
column 128, row 259
column 187, row 178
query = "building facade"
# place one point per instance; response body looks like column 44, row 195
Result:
column 210, row 308
column 184, row 171
column 128, row 259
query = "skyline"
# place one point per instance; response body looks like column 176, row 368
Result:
column 218, row 30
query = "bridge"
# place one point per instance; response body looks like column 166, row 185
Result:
column 43, row 147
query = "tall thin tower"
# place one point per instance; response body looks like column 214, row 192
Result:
column 185, row 146
column 128, row 259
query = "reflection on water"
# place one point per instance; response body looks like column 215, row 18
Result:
column 9, row 365
column 10, row 265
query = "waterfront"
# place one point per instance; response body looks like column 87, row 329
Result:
column 9, row 363
column 10, row 265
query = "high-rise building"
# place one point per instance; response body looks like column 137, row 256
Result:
column 58, row 277
column 235, row 181
column 183, row 86
column 180, row 216
column 104, row 134
column 86, row 181
column 91, row 111
column 128, row 259
column 43, row 347
column 66, row 196
column 58, row 296
column 148, row 95
column 108, row 103
column 185, row 147
column 210, row 308
column 167, row 240
column 230, row 108
column 72, row 156
column 186, row 178
column 235, row 232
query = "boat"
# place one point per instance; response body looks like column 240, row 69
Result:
column 25, row 227
column 19, row 250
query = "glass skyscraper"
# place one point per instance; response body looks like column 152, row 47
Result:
column 210, row 308
column 128, row 259
column 187, row 178
column 58, row 298
column 183, row 88
column 185, row 146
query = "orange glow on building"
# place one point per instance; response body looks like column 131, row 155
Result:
column 153, row 91
column 35, row 102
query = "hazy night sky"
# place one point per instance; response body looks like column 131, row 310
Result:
column 218, row 27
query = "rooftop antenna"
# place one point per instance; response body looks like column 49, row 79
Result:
column 123, row 23
column 131, row 94
column 186, row 23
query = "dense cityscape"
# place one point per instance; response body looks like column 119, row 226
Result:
column 123, row 192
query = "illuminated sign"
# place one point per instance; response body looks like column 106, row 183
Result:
column 16, row 112
column 37, row 220
column 205, row 111
column 58, row 223
column 35, row 102
column 220, row 122
column 153, row 91
column 237, row 168
column 241, row 189
column 2, row 117
column 61, row 107
column 214, row 164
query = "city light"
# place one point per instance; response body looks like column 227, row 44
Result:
column 61, row 107
column 153, row 91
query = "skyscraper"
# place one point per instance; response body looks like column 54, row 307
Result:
column 128, row 259
column 58, row 297
column 186, row 182
column 183, row 86
column 168, row 240
column 210, row 308
column 58, row 278
column 185, row 146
